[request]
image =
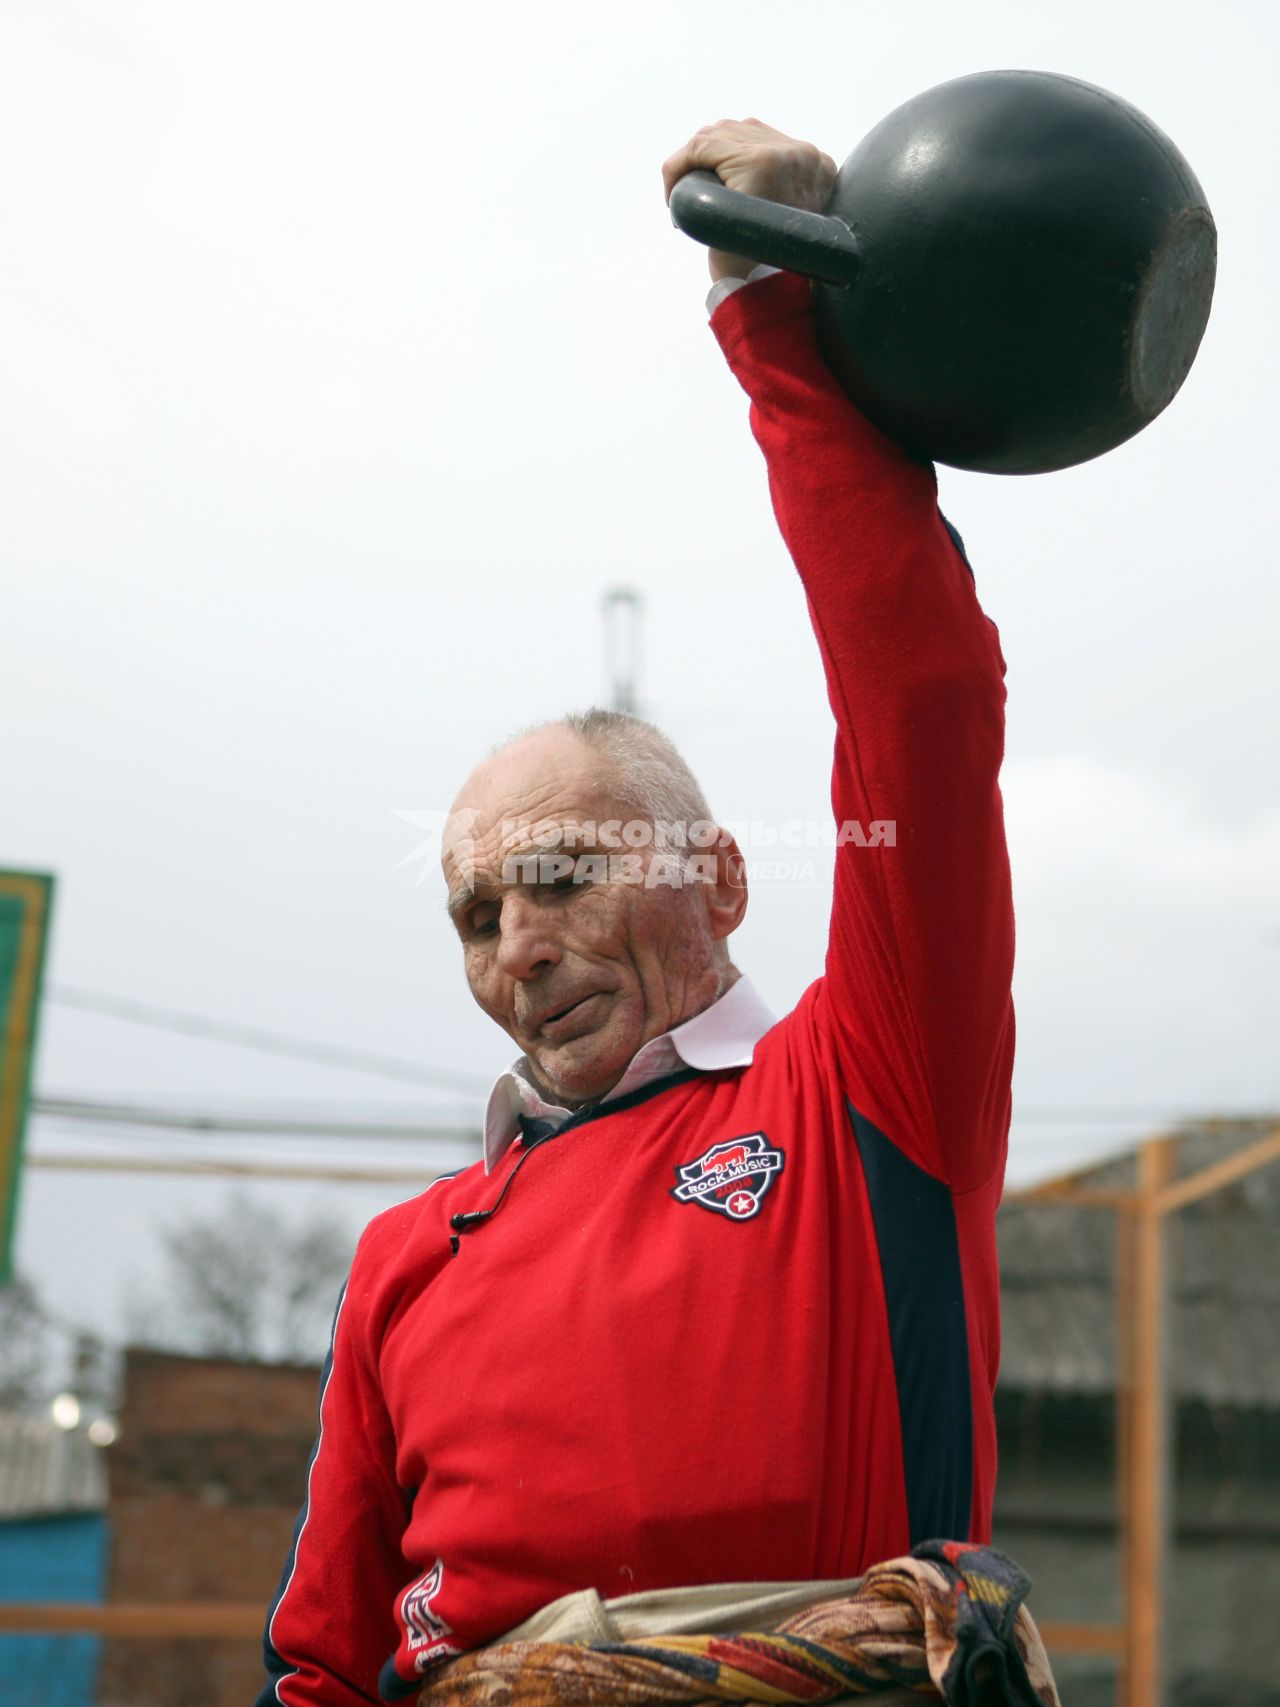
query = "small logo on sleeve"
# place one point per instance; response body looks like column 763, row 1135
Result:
column 427, row 1632
column 731, row 1177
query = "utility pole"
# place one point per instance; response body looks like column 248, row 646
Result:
column 621, row 610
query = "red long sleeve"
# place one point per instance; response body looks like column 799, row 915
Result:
column 334, row 1624
column 921, row 947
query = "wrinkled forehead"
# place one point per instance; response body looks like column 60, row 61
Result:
column 515, row 802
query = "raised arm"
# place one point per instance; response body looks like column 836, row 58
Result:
column 917, row 987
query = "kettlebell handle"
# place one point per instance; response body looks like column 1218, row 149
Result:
column 811, row 243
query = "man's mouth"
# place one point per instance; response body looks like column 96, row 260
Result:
column 564, row 1019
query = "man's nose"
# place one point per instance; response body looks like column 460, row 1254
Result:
column 526, row 944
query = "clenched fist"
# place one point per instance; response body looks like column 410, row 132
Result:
column 752, row 157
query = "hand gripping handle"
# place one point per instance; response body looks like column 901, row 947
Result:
column 811, row 243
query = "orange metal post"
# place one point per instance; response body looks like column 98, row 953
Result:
column 1125, row 1241
column 168, row 1619
column 1147, row 1452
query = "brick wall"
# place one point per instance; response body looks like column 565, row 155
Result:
column 205, row 1484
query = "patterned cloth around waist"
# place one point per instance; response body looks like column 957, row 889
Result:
column 947, row 1621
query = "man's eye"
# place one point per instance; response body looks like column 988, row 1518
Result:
column 484, row 924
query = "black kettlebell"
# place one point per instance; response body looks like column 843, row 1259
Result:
column 1015, row 269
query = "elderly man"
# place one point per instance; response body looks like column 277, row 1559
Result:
column 721, row 1303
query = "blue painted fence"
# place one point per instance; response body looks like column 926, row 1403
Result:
column 51, row 1559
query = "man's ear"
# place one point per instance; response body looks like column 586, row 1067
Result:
column 725, row 877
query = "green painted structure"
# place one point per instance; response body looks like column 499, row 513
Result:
column 26, row 906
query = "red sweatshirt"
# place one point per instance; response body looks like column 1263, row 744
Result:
column 741, row 1325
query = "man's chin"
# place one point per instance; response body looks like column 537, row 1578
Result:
column 577, row 1075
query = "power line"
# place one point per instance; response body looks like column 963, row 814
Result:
column 266, row 1042
column 1117, row 1114
column 231, row 1169
column 94, row 1113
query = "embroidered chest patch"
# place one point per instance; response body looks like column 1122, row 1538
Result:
column 731, row 1177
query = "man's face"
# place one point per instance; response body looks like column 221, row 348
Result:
column 578, row 973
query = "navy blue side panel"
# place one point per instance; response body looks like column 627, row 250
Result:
column 915, row 1224
column 392, row 1687
column 957, row 541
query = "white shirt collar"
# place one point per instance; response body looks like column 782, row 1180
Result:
column 723, row 1035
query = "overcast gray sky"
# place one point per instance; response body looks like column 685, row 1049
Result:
column 348, row 355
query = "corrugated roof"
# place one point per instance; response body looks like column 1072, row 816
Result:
column 46, row 1471
column 1058, row 1269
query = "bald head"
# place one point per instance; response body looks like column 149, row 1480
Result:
column 641, row 765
